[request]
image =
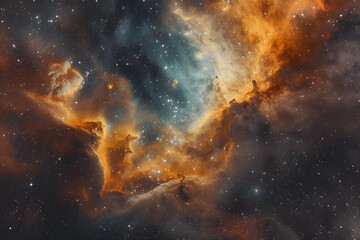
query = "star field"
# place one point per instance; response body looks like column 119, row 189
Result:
column 182, row 119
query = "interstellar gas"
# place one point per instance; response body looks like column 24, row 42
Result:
column 252, row 58
column 248, row 43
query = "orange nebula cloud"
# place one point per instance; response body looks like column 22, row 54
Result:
column 255, row 39
column 130, row 166
column 249, row 43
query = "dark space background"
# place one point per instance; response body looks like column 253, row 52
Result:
column 295, row 158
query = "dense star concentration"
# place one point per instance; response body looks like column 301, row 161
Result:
column 180, row 119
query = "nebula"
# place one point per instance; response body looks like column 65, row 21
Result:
column 212, row 119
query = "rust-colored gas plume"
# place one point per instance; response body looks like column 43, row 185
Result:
column 255, row 39
column 250, row 42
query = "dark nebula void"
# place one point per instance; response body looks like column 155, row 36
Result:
column 208, row 119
